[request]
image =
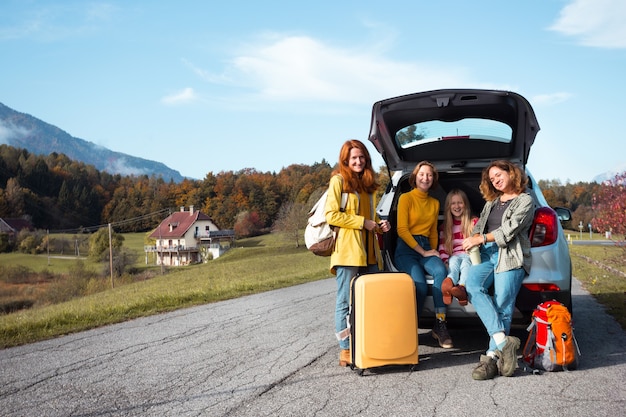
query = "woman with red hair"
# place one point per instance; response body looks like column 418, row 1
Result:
column 356, row 249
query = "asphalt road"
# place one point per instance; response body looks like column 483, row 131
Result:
column 274, row 354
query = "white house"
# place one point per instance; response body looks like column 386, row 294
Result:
column 186, row 237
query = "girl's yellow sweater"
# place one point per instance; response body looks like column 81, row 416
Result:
column 417, row 215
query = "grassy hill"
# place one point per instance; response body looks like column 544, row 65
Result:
column 253, row 265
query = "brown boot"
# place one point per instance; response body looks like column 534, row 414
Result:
column 446, row 286
column 459, row 292
column 344, row 357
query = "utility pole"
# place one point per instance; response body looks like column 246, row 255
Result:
column 160, row 250
column 111, row 255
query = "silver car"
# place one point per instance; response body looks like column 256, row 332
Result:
column 461, row 131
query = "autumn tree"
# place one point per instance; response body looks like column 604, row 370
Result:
column 610, row 206
column 297, row 182
column 222, row 208
column 583, row 214
column 5, row 209
column 247, row 224
column 99, row 244
column 14, row 196
column 292, row 218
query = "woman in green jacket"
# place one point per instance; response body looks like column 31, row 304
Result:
column 356, row 249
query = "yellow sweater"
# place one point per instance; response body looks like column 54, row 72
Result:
column 417, row 215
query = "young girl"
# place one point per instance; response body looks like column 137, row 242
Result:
column 457, row 224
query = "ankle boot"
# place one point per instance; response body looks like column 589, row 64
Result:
column 344, row 357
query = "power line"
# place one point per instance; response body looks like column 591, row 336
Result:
column 114, row 224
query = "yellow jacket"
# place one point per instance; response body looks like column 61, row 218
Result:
column 350, row 241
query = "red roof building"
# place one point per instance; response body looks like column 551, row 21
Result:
column 186, row 237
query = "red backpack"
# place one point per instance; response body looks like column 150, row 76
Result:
column 551, row 345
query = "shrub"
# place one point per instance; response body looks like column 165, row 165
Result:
column 11, row 306
column 17, row 274
column 29, row 242
column 74, row 284
column 5, row 243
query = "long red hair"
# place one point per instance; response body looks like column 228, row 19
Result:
column 356, row 182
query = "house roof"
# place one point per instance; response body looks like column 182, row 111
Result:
column 15, row 225
column 180, row 222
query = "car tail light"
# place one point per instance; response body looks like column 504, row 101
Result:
column 544, row 230
column 542, row 287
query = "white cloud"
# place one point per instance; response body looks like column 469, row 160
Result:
column 121, row 166
column 302, row 68
column 206, row 75
column 596, row 23
column 8, row 131
column 548, row 99
column 184, row 96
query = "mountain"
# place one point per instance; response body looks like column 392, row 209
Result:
column 609, row 175
column 40, row 138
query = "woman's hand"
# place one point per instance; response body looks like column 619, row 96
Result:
column 431, row 252
column 426, row 253
column 472, row 241
column 384, row 226
column 381, row 227
column 370, row 225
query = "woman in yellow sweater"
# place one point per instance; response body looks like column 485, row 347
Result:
column 416, row 251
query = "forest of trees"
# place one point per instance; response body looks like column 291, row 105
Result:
column 59, row 194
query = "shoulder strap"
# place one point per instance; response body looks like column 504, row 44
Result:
column 344, row 201
column 344, row 196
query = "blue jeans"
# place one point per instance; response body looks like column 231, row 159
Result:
column 417, row 266
column 495, row 312
column 458, row 265
column 342, row 302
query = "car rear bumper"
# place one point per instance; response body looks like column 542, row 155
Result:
column 527, row 300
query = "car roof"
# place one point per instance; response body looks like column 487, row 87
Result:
column 467, row 150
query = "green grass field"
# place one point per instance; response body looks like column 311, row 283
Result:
column 602, row 272
column 253, row 265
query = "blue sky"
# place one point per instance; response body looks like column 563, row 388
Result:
column 209, row 86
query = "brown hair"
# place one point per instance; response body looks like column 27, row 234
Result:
column 518, row 178
column 413, row 177
column 448, row 219
column 352, row 182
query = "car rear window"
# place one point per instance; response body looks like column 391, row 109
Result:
column 458, row 130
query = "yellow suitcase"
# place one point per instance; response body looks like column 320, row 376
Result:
column 383, row 321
